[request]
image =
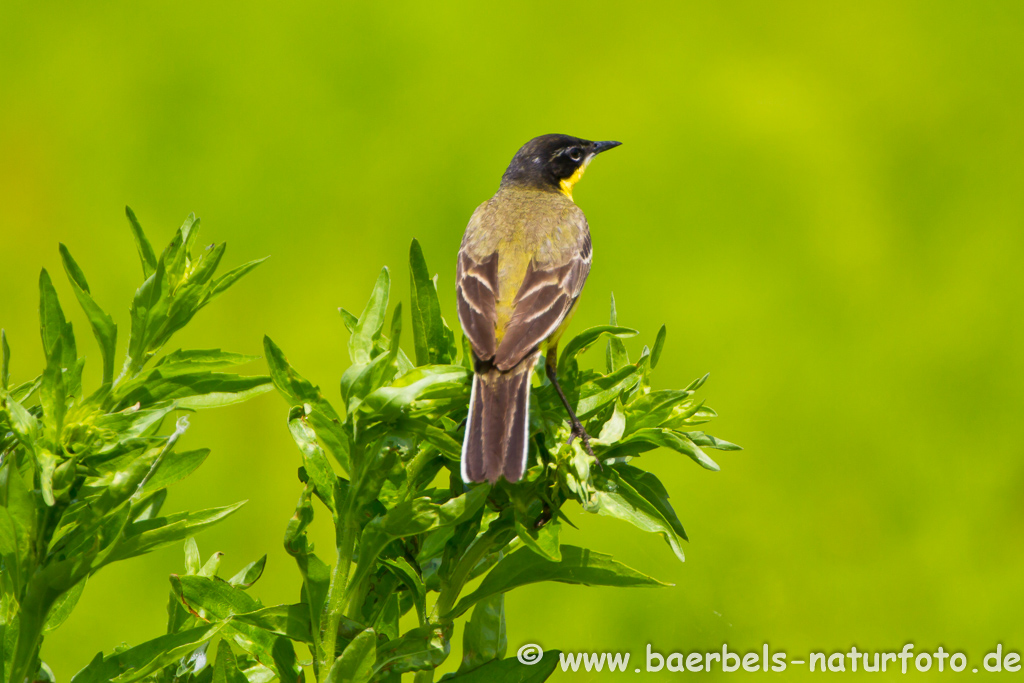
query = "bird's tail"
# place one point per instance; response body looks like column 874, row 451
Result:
column 498, row 425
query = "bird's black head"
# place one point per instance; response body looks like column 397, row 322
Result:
column 552, row 162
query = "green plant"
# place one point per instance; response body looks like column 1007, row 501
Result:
column 83, row 475
column 411, row 539
column 180, row 656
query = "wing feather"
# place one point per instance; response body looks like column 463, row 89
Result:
column 506, row 309
column 541, row 305
column 477, row 293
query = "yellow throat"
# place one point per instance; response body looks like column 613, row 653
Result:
column 567, row 183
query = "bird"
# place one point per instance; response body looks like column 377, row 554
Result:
column 524, row 259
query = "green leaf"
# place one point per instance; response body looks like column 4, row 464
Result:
column 405, row 519
column 148, row 311
column 194, row 281
column 603, row 390
column 52, row 392
column 462, row 508
column 419, row 649
column 174, row 467
column 144, row 536
column 128, row 475
column 103, row 327
column 285, row 620
column 708, row 441
column 388, row 612
column 225, row 669
column 511, row 670
column 207, row 359
column 249, row 574
column 23, row 391
column 434, row 344
column 46, row 463
column 582, row 341
column 180, row 285
column 149, row 506
column 659, row 408
column 146, row 254
column 484, row 638
column 175, row 255
column 433, row 435
column 137, row 662
column 360, row 379
column 348, row 319
column 20, row 505
column 299, row 391
column 405, row 572
column 698, row 383
column 221, row 284
column 215, row 600
column 193, row 666
column 193, row 562
column 26, row 427
column 295, row 388
column 614, row 428
column 543, row 541
column 212, row 599
column 648, row 439
column 45, row 674
column 532, row 518
column 58, row 346
column 371, row 322
column 701, row 415
column 421, row 384
column 134, row 422
column 5, row 361
column 639, row 498
column 578, row 566
column 10, row 552
column 313, row 458
column 355, row 665
column 650, row 487
column 212, row 565
column 615, row 354
column 316, row 575
column 191, row 391
column 659, row 345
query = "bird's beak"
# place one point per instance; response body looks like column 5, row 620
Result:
column 605, row 146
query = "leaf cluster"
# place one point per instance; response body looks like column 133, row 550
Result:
column 417, row 551
column 229, row 615
column 84, row 475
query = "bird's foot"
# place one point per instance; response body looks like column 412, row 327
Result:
column 579, row 431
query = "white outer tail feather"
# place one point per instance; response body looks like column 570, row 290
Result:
column 469, row 421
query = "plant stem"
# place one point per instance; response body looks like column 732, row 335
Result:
column 336, row 596
column 415, row 467
column 32, row 614
column 484, row 545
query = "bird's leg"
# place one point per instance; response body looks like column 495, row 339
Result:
column 551, row 365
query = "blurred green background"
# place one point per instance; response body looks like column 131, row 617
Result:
column 824, row 202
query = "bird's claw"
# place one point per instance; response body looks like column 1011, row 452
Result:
column 579, row 431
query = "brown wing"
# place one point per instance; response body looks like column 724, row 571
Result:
column 477, row 291
column 543, row 301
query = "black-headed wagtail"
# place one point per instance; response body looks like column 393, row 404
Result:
column 524, row 258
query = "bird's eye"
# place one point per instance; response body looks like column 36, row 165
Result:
column 575, row 153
